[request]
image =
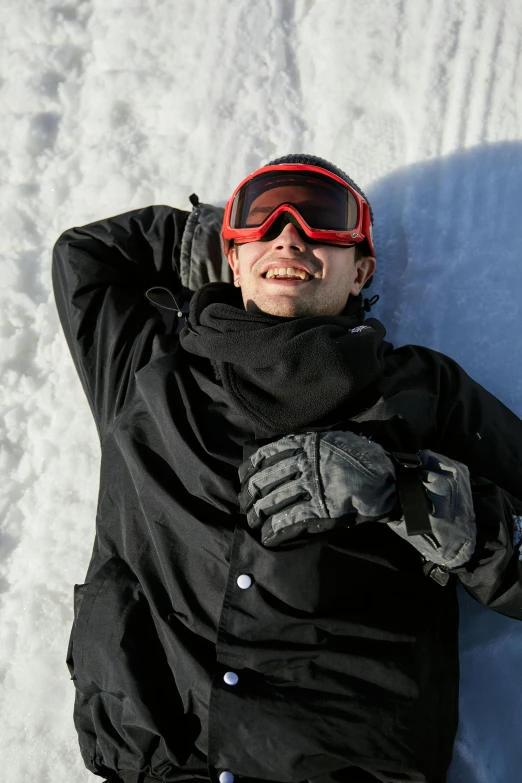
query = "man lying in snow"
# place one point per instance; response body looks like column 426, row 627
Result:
column 287, row 502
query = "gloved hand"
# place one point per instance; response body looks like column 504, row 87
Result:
column 315, row 480
column 454, row 532
column 312, row 481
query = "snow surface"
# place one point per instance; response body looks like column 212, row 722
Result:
column 109, row 105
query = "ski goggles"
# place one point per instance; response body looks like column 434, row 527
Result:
column 327, row 209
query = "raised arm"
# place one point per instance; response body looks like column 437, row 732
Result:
column 100, row 275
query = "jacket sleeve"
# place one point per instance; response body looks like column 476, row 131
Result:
column 493, row 576
column 100, row 274
column 479, row 430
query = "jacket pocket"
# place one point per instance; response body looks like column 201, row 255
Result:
column 127, row 696
column 88, row 611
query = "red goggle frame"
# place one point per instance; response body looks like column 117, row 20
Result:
column 352, row 213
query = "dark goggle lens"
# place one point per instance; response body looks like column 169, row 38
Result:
column 323, row 203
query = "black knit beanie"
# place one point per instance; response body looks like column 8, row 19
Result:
column 313, row 160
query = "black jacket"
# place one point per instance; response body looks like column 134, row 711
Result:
column 346, row 653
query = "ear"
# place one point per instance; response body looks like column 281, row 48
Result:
column 365, row 268
column 233, row 260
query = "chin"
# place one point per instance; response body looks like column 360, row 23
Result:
column 284, row 309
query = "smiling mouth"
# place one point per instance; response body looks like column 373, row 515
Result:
column 288, row 274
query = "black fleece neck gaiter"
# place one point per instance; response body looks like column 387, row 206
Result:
column 285, row 374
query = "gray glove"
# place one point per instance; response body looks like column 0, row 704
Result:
column 312, row 481
column 452, row 518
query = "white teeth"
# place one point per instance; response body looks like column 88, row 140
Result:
column 288, row 271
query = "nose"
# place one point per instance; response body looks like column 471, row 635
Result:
column 289, row 237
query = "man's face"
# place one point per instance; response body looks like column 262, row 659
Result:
column 335, row 275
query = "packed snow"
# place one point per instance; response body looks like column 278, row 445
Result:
column 109, row 105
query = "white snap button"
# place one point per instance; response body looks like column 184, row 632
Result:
column 244, row 581
column 226, row 777
column 231, row 678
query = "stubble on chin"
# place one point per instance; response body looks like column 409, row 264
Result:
column 291, row 309
column 283, row 307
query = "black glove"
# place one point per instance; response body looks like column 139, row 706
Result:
column 313, row 481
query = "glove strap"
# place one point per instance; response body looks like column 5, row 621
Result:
column 413, row 499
